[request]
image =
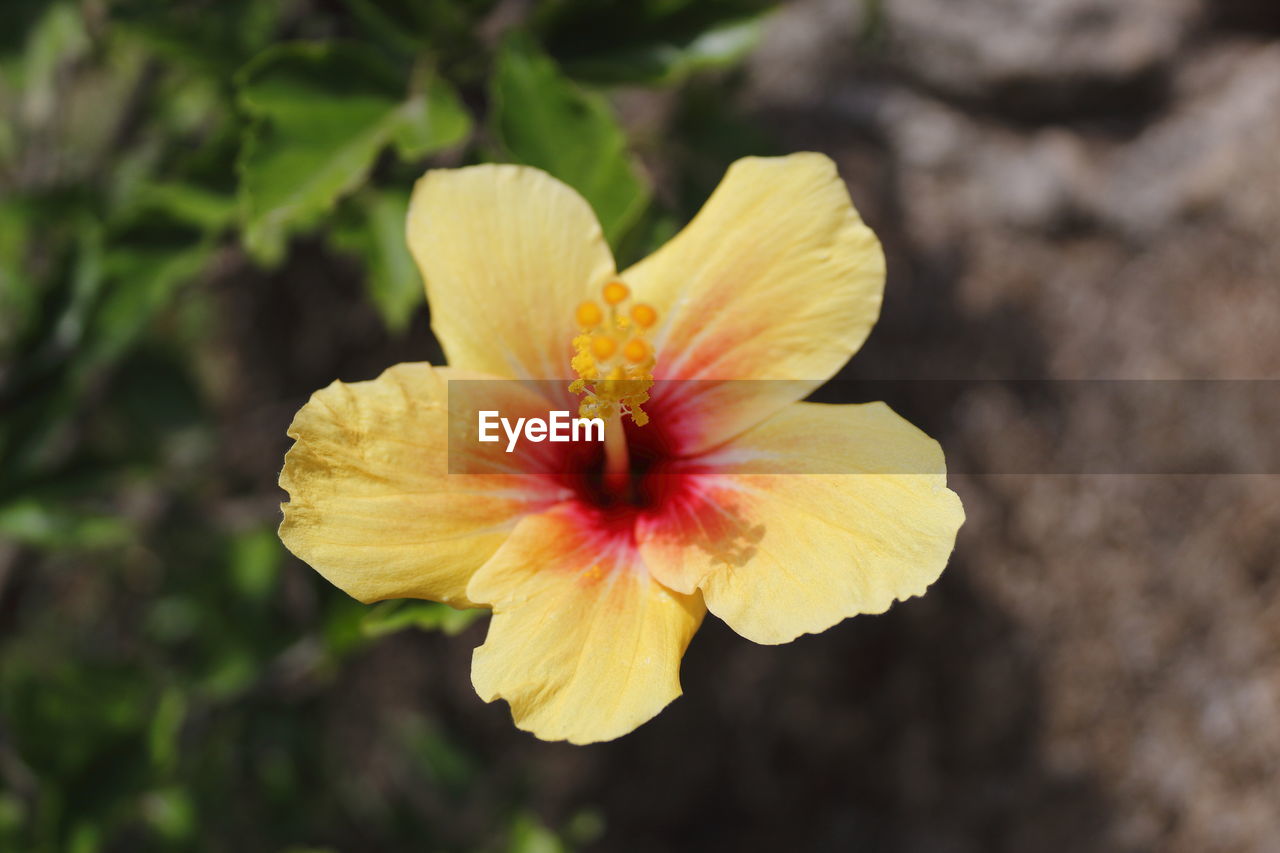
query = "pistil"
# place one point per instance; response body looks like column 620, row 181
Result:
column 617, row 459
column 614, row 362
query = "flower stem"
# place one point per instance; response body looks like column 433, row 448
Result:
column 617, row 462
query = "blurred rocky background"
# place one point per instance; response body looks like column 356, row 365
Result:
column 1074, row 190
column 1067, row 190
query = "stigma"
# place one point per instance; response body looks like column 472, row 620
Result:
column 613, row 357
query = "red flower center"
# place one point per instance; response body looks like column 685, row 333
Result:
column 658, row 478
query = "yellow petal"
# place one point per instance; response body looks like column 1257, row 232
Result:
column 372, row 506
column 835, row 511
column 777, row 277
column 583, row 644
column 507, row 253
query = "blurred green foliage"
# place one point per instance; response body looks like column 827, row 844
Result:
column 162, row 681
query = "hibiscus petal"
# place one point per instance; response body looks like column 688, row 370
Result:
column 777, row 277
column 507, row 253
column 372, row 506
column 583, row 644
column 820, row 513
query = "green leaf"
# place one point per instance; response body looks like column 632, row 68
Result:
column 431, row 121
column 58, row 527
column 342, row 630
column 143, row 270
column 209, row 40
column 165, row 729
column 12, row 813
column 19, row 297
column 444, row 761
column 529, row 835
column 452, row 27
column 647, row 41
column 56, row 41
column 392, row 616
column 542, row 119
column 186, row 203
column 392, row 24
column 84, row 838
column 255, row 562
column 668, row 62
column 171, row 813
column 376, row 235
column 119, row 282
column 322, row 113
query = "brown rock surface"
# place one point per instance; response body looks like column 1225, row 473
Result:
column 1139, row 616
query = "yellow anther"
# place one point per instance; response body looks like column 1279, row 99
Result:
column 615, row 292
column 603, row 347
column 635, row 351
column 614, row 377
column 643, row 315
column 589, row 315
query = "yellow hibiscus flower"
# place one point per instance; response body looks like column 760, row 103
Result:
column 599, row 573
